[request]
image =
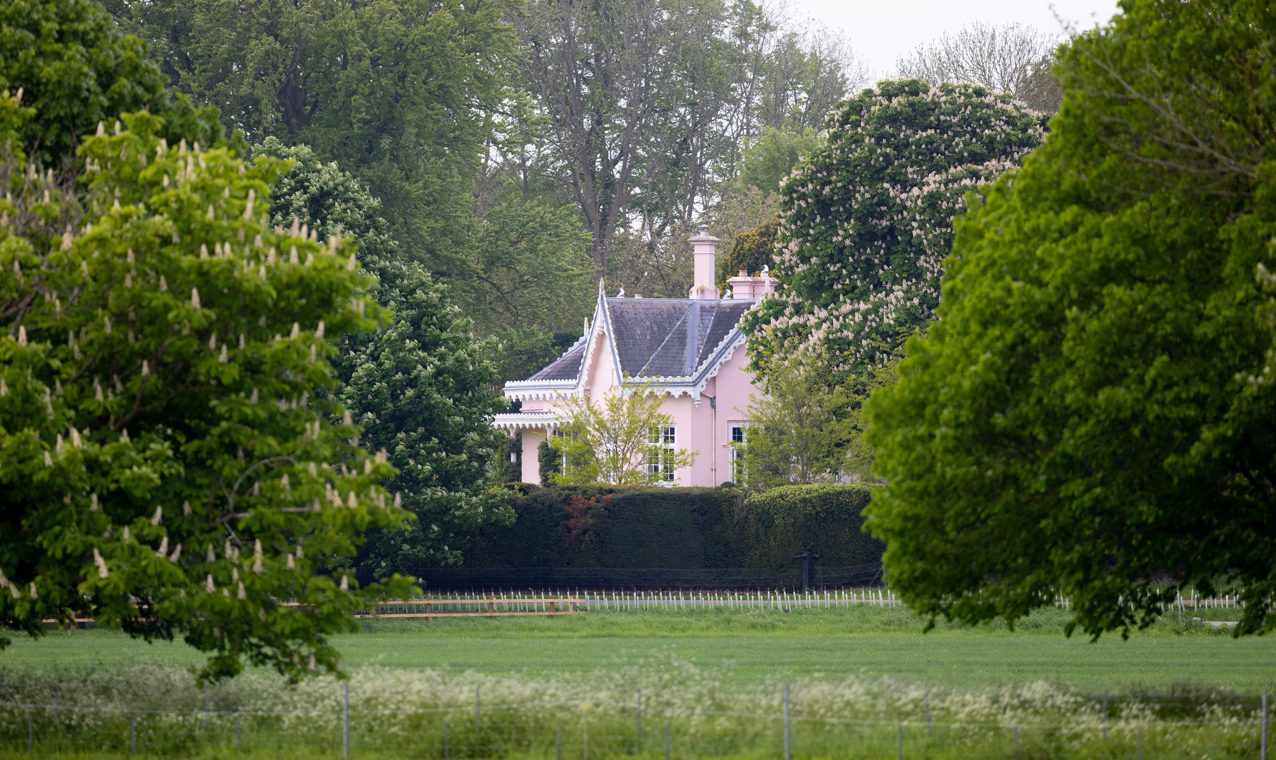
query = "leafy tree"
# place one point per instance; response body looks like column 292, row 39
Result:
column 1092, row 413
column 643, row 108
column 768, row 160
column 76, row 70
column 527, row 281
column 166, row 463
column 398, row 92
column 800, row 431
column 866, row 221
column 1012, row 58
column 752, row 251
column 420, row 387
column 616, row 442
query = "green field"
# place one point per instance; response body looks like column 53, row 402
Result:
column 862, row 679
column 753, row 647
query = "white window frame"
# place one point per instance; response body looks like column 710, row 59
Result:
column 739, row 450
column 662, row 440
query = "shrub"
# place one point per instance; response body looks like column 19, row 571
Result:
column 773, row 526
column 608, row 536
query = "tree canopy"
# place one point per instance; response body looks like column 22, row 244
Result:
column 167, row 466
column 1091, row 415
column 398, row 92
column 420, row 388
column 172, row 461
column 866, row 220
column 1011, row 58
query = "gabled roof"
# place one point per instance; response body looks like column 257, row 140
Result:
column 670, row 337
column 674, row 343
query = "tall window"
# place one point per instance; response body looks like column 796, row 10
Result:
column 739, row 442
column 663, row 442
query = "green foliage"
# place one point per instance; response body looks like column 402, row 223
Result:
column 775, row 525
column 420, row 387
column 771, row 156
column 866, row 220
column 753, row 250
column 550, row 461
column 615, row 442
column 801, row 431
column 1092, row 413
column 397, row 91
column 622, row 532
column 77, row 70
column 166, row 462
column 604, row 527
column 527, row 279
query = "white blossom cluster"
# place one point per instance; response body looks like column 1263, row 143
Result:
column 867, row 221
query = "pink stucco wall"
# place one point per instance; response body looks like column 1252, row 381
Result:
column 702, row 427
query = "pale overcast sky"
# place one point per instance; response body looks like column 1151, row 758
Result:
column 883, row 30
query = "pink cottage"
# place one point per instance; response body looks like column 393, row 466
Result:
column 689, row 350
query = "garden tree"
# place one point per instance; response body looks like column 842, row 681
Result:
column 1092, row 413
column 76, row 70
column 751, row 251
column 167, row 464
column 1012, row 59
column 399, row 92
column 800, row 431
column 866, row 220
column 617, row 442
column 420, row 387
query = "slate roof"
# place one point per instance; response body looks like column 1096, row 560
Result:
column 658, row 337
column 565, row 367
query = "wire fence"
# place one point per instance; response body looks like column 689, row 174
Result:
column 785, row 725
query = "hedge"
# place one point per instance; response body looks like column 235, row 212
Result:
column 647, row 537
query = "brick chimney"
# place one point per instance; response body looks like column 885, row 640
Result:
column 704, row 247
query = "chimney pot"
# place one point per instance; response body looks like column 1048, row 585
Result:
column 704, row 248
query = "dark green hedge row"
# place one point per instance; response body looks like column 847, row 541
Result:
column 601, row 536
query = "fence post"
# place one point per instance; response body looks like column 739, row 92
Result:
column 788, row 736
column 1105, row 715
column 345, row 719
column 478, row 709
column 1262, row 746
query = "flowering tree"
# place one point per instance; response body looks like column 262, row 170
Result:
column 619, row 442
column 167, row 463
column 866, row 221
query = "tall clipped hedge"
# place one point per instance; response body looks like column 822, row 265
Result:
column 650, row 537
column 773, row 526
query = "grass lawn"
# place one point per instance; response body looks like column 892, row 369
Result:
column 751, row 648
